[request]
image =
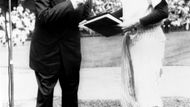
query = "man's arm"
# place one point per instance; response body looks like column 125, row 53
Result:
column 48, row 15
column 61, row 13
column 158, row 13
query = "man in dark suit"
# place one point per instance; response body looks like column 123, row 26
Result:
column 55, row 52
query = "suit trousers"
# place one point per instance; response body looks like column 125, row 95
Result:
column 69, row 81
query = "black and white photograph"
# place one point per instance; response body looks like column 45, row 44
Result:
column 94, row 53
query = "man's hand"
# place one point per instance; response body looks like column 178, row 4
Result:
column 83, row 10
column 77, row 3
column 88, row 7
column 130, row 26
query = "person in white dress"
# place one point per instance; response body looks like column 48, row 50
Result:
column 143, row 52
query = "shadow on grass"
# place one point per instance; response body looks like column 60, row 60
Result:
column 168, row 102
column 91, row 103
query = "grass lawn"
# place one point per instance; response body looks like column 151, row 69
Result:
column 167, row 101
column 177, row 49
column 101, row 51
column 106, row 52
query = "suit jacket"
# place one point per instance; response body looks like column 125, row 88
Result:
column 56, row 38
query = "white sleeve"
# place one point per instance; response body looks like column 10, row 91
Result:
column 74, row 3
column 155, row 2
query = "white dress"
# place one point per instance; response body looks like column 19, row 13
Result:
column 146, row 50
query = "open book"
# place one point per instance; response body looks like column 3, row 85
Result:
column 105, row 24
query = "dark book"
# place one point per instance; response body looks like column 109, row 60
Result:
column 105, row 24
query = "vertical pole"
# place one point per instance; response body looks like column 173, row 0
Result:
column 10, row 65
